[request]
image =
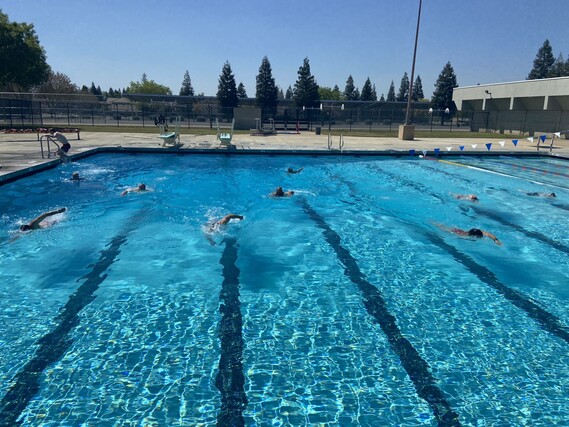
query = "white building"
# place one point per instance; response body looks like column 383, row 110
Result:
column 529, row 106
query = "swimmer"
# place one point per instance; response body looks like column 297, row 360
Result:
column 75, row 177
column 36, row 223
column 138, row 189
column 280, row 193
column 216, row 226
column 473, row 232
column 224, row 221
column 470, row 197
column 291, row 170
column 542, row 194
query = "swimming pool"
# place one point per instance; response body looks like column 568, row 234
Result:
column 342, row 305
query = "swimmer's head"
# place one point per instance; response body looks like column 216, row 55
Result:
column 279, row 191
column 290, row 170
column 552, row 195
column 473, row 197
column 75, row 176
column 142, row 187
column 25, row 227
column 475, row 232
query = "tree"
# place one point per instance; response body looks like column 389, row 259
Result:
column 559, row 68
column 367, row 91
column 306, row 89
column 382, row 99
column 280, row 93
column 330, row 94
column 57, row 83
column 288, row 93
column 187, row 89
column 373, row 93
column 95, row 90
column 542, row 63
column 266, row 91
column 418, row 89
column 241, row 93
column 391, row 93
column 350, row 89
column 442, row 96
column 22, row 58
column 356, row 94
column 226, row 88
column 403, row 94
column 148, row 87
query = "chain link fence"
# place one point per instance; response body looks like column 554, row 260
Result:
column 20, row 110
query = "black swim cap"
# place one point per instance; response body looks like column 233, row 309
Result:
column 475, row 232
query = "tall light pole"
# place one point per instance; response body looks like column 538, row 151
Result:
column 407, row 115
column 406, row 131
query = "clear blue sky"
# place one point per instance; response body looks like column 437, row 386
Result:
column 113, row 42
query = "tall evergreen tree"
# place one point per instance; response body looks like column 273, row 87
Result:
column 366, row 91
column 382, row 99
column 289, row 93
column 356, row 94
column 559, row 68
column 373, row 93
column 241, row 93
column 418, row 89
column 280, row 93
column 187, row 89
column 403, row 94
column 267, row 94
column 306, row 89
column 542, row 63
column 349, row 89
column 226, row 88
column 442, row 96
column 391, row 93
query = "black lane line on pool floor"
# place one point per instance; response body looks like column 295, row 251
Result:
column 545, row 319
column 52, row 346
column 412, row 362
column 230, row 380
column 533, row 234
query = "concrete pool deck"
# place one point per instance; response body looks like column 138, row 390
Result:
column 20, row 153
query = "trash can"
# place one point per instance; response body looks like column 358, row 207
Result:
column 318, row 130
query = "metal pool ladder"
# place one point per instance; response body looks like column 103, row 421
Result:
column 48, row 139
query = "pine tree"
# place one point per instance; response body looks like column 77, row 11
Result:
column 403, row 94
column 289, row 93
column 266, row 94
column 280, row 93
column 382, row 99
column 356, row 95
column 559, row 68
column 350, row 89
column 241, row 93
column 187, row 89
column 418, row 89
column 373, row 93
column 226, row 88
column 306, row 89
column 366, row 91
column 542, row 63
column 391, row 93
column 442, row 96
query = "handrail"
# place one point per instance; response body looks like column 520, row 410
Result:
column 329, row 141
column 49, row 139
column 342, row 142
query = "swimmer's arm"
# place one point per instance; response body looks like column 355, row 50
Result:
column 34, row 223
column 491, row 236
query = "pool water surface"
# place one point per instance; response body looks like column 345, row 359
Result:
column 349, row 303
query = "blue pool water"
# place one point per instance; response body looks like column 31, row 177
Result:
column 342, row 305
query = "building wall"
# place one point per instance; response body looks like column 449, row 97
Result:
column 528, row 106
